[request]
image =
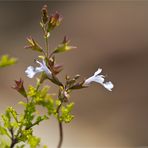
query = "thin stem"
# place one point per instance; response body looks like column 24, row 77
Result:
column 46, row 43
column 13, row 139
column 46, row 39
column 60, row 127
column 35, row 123
column 61, row 135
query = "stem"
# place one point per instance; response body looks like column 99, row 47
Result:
column 60, row 127
column 61, row 135
column 35, row 123
column 13, row 139
column 27, row 100
column 46, row 42
column 46, row 45
column 46, row 39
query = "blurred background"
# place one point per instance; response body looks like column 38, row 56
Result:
column 112, row 35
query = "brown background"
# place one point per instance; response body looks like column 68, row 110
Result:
column 109, row 34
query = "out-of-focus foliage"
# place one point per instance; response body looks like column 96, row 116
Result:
column 5, row 60
column 17, row 127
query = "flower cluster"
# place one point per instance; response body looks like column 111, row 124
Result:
column 97, row 77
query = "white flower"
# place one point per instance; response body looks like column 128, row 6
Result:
column 31, row 71
column 99, row 79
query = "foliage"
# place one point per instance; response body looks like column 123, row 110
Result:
column 5, row 60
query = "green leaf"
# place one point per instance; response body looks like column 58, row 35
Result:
column 31, row 91
column 66, row 115
column 33, row 141
column 43, row 98
column 40, row 118
column 5, row 60
column 3, row 131
column 29, row 114
column 25, row 135
column 13, row 112
column 20, row 146
column 4, row 142
column 6, row 119
column 58, row 102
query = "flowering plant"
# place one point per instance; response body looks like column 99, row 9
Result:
column 17, row 128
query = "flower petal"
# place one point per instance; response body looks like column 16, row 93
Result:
column 98, row 72
column 99, row 79
column 88, row 81
column 30, row 71
column 38, row 69
column 44, row 68
column 108, row 85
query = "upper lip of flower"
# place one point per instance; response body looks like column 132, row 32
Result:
column 99, row 79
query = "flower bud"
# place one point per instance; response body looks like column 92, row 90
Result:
column 64, row 95
column 78, row 85
column 55, row 68
column 77, row 76
column 64, row 46
column 19, row 87
column 33, row 45
column 44, row 16
column 54, row 21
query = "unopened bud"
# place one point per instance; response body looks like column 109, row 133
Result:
column 19, row 87
column 77, row 76
column 44, row 14
column 54, row 21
